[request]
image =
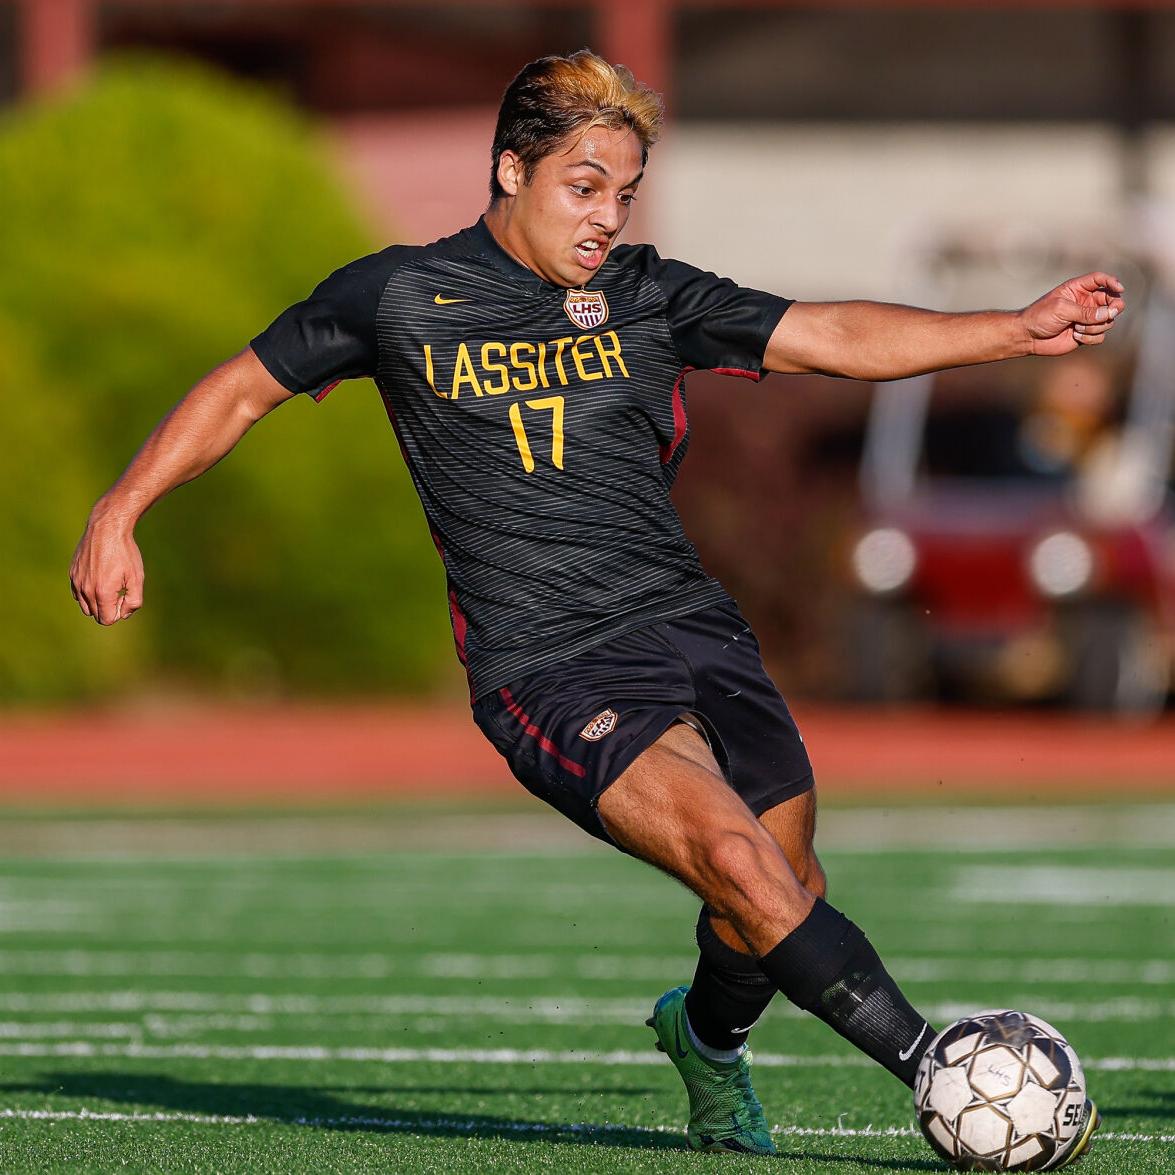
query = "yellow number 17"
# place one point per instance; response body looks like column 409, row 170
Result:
column 552, row 404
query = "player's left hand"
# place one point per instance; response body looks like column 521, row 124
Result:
column 1077, row 313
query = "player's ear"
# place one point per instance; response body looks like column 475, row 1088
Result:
column 511, row 172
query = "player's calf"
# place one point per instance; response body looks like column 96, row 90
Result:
column 812, row 876
column 828, row 967
column 681, row 818
column 729, row 992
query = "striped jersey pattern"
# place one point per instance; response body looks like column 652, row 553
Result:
column 542, row 428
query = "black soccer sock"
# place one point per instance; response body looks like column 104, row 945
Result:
column 729, row 992
column 829, row 968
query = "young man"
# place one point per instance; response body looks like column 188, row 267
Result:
column 533, row 370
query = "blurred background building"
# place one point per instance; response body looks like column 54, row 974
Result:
column 818, row 150
column 840, row 129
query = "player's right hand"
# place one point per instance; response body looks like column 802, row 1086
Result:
column 106, row 576
column 1077, row 313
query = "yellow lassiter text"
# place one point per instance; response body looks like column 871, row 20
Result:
column 495, row 368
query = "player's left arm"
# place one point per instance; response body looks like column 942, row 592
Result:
column 880, row 341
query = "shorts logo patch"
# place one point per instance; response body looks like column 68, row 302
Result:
column 588, row 309
column 602, row 724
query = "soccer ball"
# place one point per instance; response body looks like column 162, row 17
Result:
column 1000, row 1091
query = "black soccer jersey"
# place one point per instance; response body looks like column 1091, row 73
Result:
column 542, row 427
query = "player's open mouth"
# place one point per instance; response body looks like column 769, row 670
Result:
column 591, row 253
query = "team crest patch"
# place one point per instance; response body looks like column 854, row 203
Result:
column 602, row 724
column 588, row 309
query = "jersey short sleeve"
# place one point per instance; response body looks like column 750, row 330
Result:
column 331, row 335
column 716, row 324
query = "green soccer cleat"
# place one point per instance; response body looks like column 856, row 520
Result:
column 1082, row 1140
column 724, row 1113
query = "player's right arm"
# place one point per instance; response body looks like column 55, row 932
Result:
column 107, row 572
column 880, row 341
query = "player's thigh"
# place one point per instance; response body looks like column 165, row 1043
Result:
column 673, row 809
column 672, row 802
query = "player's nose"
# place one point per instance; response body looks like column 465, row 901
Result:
column 606, row 217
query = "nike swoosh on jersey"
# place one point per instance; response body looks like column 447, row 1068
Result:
column 448, row 301
column 910, row 1051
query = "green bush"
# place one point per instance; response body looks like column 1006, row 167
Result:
column 152, row 222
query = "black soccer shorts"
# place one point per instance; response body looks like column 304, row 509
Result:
column 570, row 729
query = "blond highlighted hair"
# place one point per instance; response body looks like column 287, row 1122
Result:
column 554, row 97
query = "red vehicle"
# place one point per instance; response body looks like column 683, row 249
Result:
column 1019, row 541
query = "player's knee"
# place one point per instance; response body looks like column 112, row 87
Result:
column 738, row 864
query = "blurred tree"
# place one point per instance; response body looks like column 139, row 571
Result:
column 153, row 222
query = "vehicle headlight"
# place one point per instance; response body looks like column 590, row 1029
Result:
column 1061, row 564
column 884, row 559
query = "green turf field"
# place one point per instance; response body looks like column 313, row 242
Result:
column 337, row 993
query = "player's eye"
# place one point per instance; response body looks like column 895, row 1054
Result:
column 627, row 197
column 582, row 189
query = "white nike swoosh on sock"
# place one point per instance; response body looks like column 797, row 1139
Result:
column 910, row 1051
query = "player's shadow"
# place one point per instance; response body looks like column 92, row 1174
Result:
column 535, row 1091
column 324, row 1109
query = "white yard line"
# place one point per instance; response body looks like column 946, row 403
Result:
column 467, row 1126
column 23, row 1030
column 1064, row 885
column 977, row 830
column 590, row 965
column 934, row 969
column 85, row 1048
column 1117, row 1009
column 194, row 1008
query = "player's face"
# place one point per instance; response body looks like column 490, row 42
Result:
column 563, row 219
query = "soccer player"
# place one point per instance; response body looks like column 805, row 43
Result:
column 533, row 370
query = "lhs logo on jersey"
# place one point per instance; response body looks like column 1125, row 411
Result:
column 588, row 309
column 602, row 724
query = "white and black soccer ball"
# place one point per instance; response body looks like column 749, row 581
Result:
column 1000, row 1091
